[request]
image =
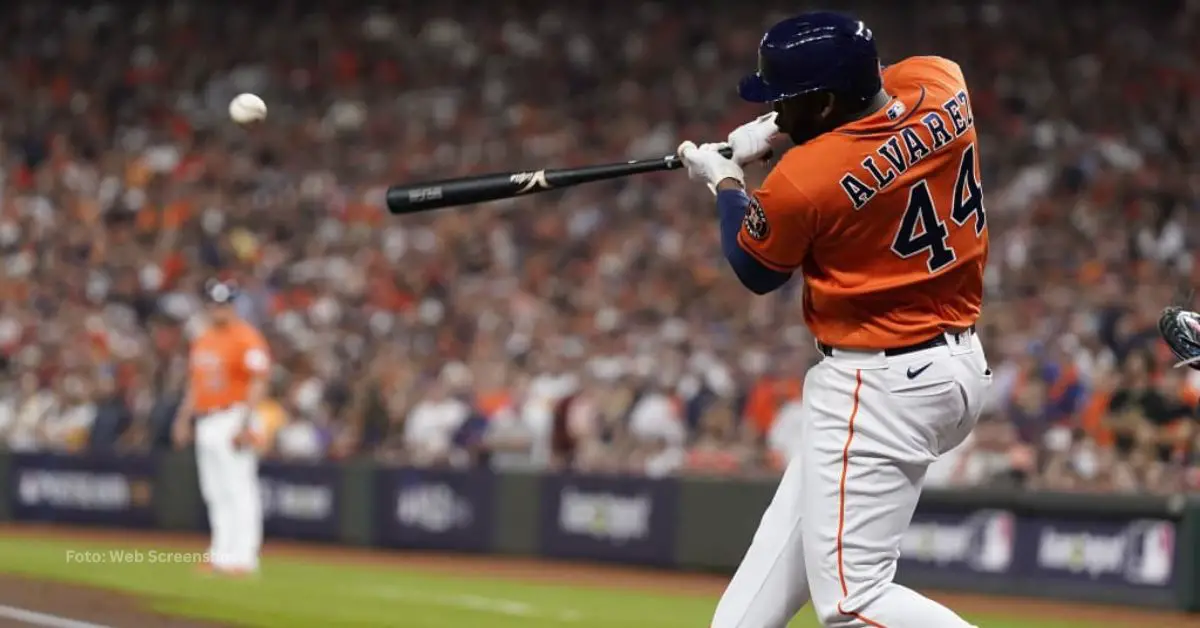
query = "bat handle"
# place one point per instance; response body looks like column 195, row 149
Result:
column 673, row 162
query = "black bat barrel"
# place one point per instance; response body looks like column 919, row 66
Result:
column 426, row 196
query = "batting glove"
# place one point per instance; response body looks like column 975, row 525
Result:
column 705, row 163
column 752, row 141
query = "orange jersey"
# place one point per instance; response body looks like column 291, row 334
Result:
column 223, row 362
column 884, row 216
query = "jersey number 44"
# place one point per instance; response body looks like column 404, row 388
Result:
column 923, row 232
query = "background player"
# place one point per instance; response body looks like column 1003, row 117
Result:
column 879, row 206
column 227, row 380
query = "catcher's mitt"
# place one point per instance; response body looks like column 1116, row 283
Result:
column 1180, row 329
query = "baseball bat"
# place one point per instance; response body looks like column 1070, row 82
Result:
column 420, row 197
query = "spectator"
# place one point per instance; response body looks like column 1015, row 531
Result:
column 469, row 442
column 300, row 439
column 113, row 417
column 67, row 427
column 35, row 404
column 1032, row 415
column 1150, row 416
column 367, row 415
column 510, row 439
column 431, row 424
column 9, row 401
column 542, row 393
column 160, row 418
column 287, row 436
column 656, row 427
column 766, row 398
column 1175, row 424
column 574, row 429
column 713, row 451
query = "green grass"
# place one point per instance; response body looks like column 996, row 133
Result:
column 298, row 593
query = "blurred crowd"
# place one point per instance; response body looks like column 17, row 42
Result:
column 595, row 328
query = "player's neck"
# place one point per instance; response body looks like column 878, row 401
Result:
column 879, row 101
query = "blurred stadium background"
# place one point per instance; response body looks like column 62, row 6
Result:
column 596, row 330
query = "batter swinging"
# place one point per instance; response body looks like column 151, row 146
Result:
column 880, row 207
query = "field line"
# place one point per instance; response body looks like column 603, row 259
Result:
column 498, row 606
column 34, row 618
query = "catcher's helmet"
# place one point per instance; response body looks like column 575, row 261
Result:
column 812, row 52
column 1180, row 329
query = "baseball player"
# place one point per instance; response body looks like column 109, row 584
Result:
column 227, row 380
column 879, row 207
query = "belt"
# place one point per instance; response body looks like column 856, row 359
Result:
column 207, row 412
column 937, row 341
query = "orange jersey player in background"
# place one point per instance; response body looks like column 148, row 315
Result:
column 227, row 382
column 880, row 207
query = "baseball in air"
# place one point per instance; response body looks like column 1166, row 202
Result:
column 247, row 108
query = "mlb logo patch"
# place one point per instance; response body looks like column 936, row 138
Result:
column 1149, row 552
column 895, row 110
column 755, row 221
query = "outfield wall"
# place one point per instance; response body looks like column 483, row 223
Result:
column 1135, row 550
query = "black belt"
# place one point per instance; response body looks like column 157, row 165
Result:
column 937, row 341
column 212, row 411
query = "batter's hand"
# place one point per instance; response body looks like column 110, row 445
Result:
column 751, row 142
column 705, row 163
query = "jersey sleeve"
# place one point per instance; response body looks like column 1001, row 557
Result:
column 916, row 71
column 779, row 224
column 256, row 357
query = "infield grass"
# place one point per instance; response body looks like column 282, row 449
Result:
column 298, row 592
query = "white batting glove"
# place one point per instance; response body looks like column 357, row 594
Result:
column 705, row 164
column 752, row 141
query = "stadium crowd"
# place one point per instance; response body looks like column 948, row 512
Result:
column 595, row 328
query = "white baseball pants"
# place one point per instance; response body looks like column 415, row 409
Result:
column 229, row 485
column 872, row 424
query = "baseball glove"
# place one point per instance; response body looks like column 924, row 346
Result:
column 1180, row 329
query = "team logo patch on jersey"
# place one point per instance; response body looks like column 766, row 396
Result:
column 755, row 220
column 895, row 111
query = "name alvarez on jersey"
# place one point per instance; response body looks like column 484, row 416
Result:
column 906, row 148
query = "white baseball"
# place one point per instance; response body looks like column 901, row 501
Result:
column 247, row 108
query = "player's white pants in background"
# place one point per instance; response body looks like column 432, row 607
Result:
column 229, row 485
column 832, row 532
